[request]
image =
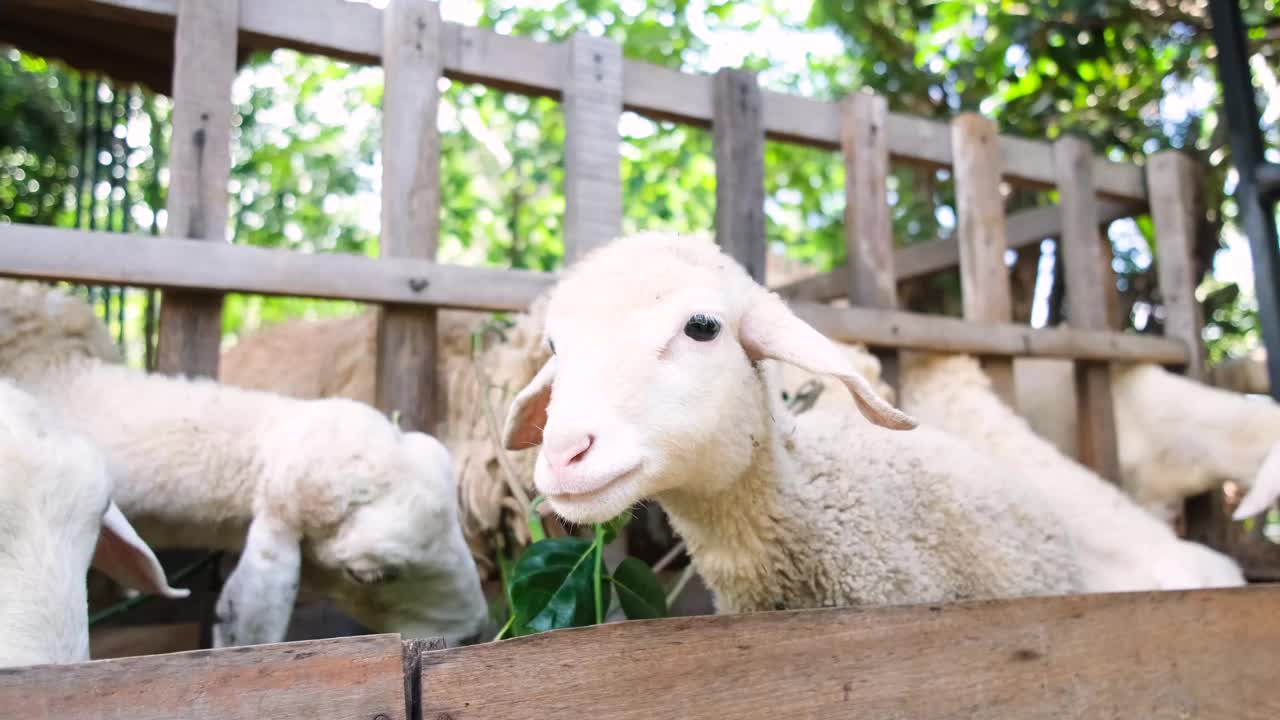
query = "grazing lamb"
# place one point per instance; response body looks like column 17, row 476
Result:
column 654, row 390
column 56, row 518
column 335, row 358
column 327, row 492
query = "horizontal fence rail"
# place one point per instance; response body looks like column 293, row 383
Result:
column 169, row 263
column 1111, row 655
column 353, row 32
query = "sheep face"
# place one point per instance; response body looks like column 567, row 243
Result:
column 399, row 562
column 653, row 386
column 372, row 514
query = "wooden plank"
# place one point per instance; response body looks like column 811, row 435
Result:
column 1089, row 283
column 350, row 31
column 1176, row 208
column 406, row 335
column 1025, row 228
column 738, row 140
column 980, row 234
column 592, row 174
column 190, row 329
column 143, row 261
column 868, row 224
column 354, row 677
column 1086, row 656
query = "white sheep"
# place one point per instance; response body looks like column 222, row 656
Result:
column 56, row 518
column 1123, row 548
column 1179, row 437
column 654, row 390
column 327, row 492
column 335, row 357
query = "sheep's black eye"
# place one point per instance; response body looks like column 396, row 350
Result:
column 551, row 344
column 702, row 327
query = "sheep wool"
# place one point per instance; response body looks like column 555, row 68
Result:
column 654, row 391
column 56, row 519
column 324, row 492
column 1123, row 548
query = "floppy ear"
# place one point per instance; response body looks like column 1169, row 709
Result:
column 770, row 330
column 1266, row 487
column 257, row 599
column 528, row 412
column 122, row 556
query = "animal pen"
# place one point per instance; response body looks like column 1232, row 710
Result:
column 1115, row 655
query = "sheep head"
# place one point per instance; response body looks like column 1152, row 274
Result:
column 366, row 514
column 653, row 384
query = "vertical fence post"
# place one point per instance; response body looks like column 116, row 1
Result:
column 1176, row 206
column 1089, row 285
column 738, row 137
column 868, row 226
column 982, row 237
column 592, row 177
column 199, row 166
column 406, row 338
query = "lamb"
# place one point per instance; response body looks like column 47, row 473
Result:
column 328, row 493
column 1172, row 450
column 339, row 359
column 56, row 518
column 654, row 390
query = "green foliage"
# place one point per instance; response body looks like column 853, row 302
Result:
column 562, row 582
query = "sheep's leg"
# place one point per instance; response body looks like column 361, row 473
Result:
column 257, row 599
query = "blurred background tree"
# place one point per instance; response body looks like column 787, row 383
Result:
column 1134, row 75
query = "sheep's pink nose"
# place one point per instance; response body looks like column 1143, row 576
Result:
column 563, row 453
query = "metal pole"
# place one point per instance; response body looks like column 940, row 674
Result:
column 1257, row 213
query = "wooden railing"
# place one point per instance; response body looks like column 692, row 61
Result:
column 1198, row 654
column 596, row 84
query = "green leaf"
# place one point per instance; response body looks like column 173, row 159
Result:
column 639, row 593
column 536, row 531
column 614, row 526
column 551, row 585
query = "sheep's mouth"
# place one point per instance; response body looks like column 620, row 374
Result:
column 596, row 490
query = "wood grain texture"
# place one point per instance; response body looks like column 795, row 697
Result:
column 981, row 237
column 190, row 329
column 406, row 336
column 1089, row 285
column 1176, row 209
column 350, row 31
column 139, row 260
column 354, row 677
column 1085, row 656
column 592, row 174
column 868, row 224
column 738, row 140
column 1024, row 229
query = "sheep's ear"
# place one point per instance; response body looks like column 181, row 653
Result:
column 770, row 330
column 257, row 599
column 528, row 412
column 1266, row 487
column 123, row 556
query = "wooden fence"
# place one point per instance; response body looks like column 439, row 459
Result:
column 195, row 267
column 1123, row 655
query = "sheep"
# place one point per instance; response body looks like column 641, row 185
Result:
column 335, row 357
column 1179, row 437
column 328, row 493
column 654, row 391
column 1123, row 547
column 57, row 517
